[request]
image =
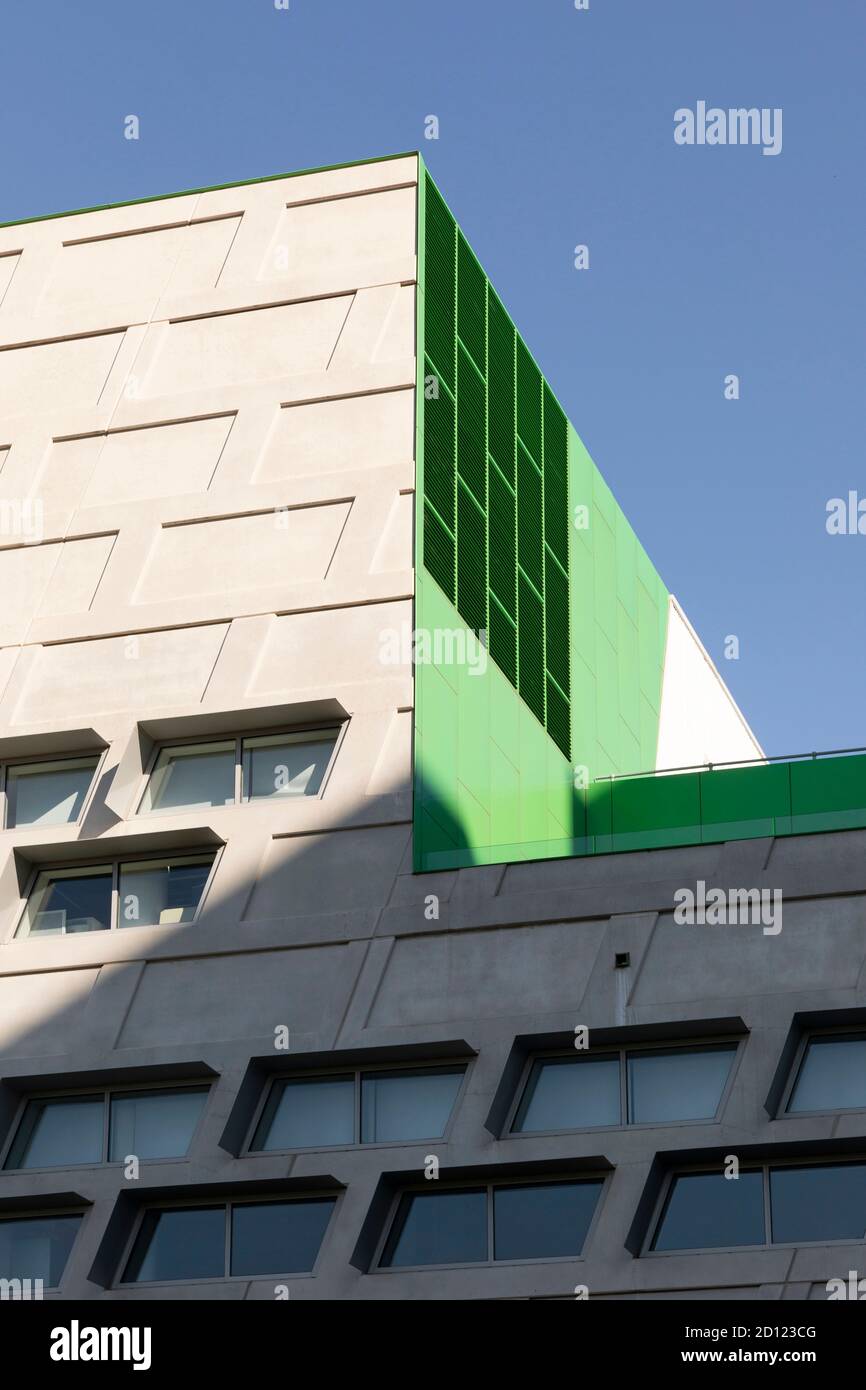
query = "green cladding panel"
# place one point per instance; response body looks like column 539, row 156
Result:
column 572, row 616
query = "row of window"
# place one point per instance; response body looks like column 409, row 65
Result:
column 408, row 1104
column 446, row 1226
column 183, row 777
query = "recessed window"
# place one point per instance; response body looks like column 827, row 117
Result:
column 480, row 1225
column 149, row 892
column 824, row 1202
column 196, row 776
column 37, row 1247
column 705, row 1211
column 635, row 1086
column 831, row 1075
column 240, row 1239
column 788, row 1204
column 47, row 793
column 358, row 1108
column 189, row 779
column 62, row 1131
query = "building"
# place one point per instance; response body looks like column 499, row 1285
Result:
column 335, row 694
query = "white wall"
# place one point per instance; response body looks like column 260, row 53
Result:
column 699, row 722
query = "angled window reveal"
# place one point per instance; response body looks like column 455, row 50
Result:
column 103, row 897
column 362, row 1107
column 226, row 772
column 773, row 1204
column 106, row 1127
column 831, row 1074
column 38, row 1247
column 490, row 1223
column 46, row 793
column 234, row 1239
column 630, row 1086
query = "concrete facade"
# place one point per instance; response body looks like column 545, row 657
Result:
column 207, row 415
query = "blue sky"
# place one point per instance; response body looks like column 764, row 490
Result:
column 556, row 128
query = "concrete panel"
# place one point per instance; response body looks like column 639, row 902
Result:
column 251, row 346
column 136, row 266
column 342, row 236
column 55, row 376
column 8, row 266
column 234, row 554
column 336, row 436
column 131, row 465
column 487, row 974
column 331, row 648
column 149, row 669
column 39, row 1014
column 256, row 993
column 313, row 873
column 46, row 580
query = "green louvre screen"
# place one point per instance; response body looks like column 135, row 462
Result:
column 495, row 476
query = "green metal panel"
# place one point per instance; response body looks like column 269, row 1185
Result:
column 574, row 621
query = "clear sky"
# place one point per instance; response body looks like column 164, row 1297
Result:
column 556, row 129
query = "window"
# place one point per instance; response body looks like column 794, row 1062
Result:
column 634, row 1086
column 819, row 1203
column 222, row 773
column 46, row 793
column 62, row 1131
column 480, row 1225
column 773, row 1205
column 148, row 892
column 707, row 1210
column 372, row 1107
column 831, row 1075
column 240, row 1239
column 37, row 1247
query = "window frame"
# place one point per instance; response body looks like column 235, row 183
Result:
column 239, row 739
column 106, row 1092
column 42, row 1213
column 489, row 1186
column 188, row 1203
column 97, row 755
column 808, row 1036
column 140, row 856
column 764, row 1166
column 356, row 1072
column 622, row 1053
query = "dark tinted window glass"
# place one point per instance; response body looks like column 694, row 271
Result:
column 154, row 1124
column 55, row 1133
column 438, row 1229
column 679, row 1084
column 407, row 1104
column 826, row 1203
column 278, row 1237
column 832, row 1076
column 707, row 1210
column 179, row 1244
column 567, row 1093
column 37, row 1247
column 542, row 1221
column 308, row 1114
